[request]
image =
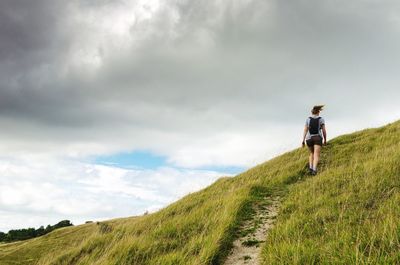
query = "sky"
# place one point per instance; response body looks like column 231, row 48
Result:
column 114, row 108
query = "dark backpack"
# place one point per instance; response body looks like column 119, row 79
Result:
column 314, row 125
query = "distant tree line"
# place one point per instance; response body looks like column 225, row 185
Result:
column 27, row 233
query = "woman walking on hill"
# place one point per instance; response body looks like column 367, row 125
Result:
column 314, row 134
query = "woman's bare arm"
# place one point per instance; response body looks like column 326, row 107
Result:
column 304, row 135
column 324, row 133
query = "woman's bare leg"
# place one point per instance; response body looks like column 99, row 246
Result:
column 311, row 157
column 317, row 152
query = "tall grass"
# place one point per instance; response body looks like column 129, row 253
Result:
column 347, row 214
column 350, row 212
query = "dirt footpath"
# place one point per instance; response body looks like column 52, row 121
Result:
column 246, row 249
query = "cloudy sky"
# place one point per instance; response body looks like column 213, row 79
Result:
column 111, row 108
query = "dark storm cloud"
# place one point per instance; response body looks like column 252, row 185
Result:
column 284, row 49
column 191, row 68
column 32, row 41
column 30, row 31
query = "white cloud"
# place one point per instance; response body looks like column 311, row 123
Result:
column 41, row 191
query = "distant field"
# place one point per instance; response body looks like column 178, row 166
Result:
column 347, row 214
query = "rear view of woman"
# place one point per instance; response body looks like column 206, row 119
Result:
column 314, row 135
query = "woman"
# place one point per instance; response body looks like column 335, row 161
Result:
column 314, row 134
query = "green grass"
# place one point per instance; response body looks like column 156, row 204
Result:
column 247, row 257
column 348, row 214
column 251, row 242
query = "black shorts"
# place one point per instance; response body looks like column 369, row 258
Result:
column 315, row 140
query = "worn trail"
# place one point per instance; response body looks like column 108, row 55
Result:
column 246, row 249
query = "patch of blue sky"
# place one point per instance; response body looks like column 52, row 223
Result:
column 231, row 170
column 135, row 159
column 148, row 160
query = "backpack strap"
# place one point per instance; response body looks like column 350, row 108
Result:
column 315, row 118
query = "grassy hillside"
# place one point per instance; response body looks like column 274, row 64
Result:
column 347, row 214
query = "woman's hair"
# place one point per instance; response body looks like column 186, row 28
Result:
column 316, row 109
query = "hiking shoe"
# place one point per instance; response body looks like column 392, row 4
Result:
column 310, row 170
column 313, row 172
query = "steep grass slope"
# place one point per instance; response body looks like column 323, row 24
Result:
column 347, row 214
